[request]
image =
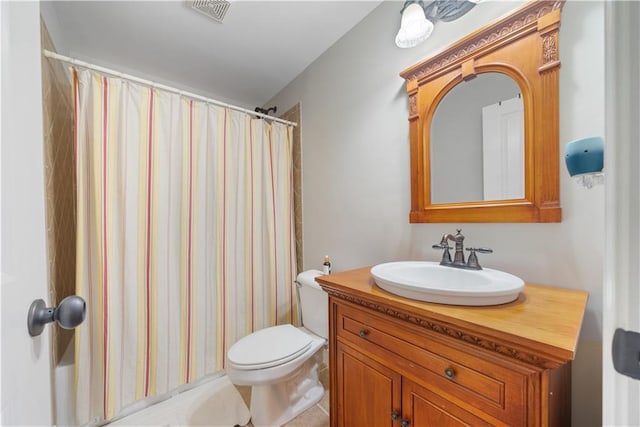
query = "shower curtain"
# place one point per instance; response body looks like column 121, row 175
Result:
column 185, row 239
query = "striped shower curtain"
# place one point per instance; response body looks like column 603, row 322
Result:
column 185, row 238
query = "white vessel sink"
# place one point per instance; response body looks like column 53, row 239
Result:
column 432, row 282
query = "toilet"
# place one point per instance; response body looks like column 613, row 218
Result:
column 281, row 362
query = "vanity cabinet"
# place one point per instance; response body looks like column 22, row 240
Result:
column 397, row 362
column 357, row 376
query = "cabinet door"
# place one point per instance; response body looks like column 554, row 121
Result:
column 367, row 392
column 422, row 407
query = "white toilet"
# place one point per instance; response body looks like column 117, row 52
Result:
column 281, row 362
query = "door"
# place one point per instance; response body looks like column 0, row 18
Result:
column 621, row 393
column 26, row 370
column 369, row 393
column 503, row 150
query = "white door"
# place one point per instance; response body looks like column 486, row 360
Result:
column 503, row 150
column 26, row 372
column 621, row 309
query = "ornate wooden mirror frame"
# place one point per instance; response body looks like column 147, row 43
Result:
column 524, row 46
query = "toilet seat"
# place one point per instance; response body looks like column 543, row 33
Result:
column 268, row 347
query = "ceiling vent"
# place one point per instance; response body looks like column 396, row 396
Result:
column 214, row 9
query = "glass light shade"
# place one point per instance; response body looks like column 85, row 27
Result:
column 414, row 27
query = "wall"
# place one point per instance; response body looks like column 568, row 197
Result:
column 293, row 115
column 355, row 152
column 59, row 167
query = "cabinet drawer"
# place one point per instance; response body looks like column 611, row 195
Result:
column 470, row 380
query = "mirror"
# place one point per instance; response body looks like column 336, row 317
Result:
column 478, row 127
column 459, row 173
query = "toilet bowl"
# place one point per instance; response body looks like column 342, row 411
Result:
column 281, row 362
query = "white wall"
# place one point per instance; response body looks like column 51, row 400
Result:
column 356, row 195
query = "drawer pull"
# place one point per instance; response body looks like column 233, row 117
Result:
column 363, row 333
column 404, row 423
column 449, row 373
column 395, row 415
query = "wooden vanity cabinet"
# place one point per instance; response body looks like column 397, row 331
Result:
column 397, row 362
column 369, row 391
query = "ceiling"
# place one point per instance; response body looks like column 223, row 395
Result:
column 259, row 48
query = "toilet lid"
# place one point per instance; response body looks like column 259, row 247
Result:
column 268, row 347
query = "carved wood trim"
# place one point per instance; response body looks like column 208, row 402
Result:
column 446, row 330
column 502, row 30
column 413, row 105
column 550, row 47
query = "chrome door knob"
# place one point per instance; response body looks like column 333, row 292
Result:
column 69, row 313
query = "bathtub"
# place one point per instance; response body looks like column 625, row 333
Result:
column 211, row 401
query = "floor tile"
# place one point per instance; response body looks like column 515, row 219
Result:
column 245, row 392
column 312, row 417
column 323, row 376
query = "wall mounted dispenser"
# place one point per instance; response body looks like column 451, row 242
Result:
column 585, row 160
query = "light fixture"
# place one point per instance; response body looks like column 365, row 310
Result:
column 414, row 25
column 585, row 160
column 418, row 19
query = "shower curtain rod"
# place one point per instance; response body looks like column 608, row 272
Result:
column 150, row 83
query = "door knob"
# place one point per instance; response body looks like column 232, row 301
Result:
column 625, row 352
column 69, row 313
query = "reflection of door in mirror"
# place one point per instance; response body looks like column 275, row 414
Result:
column 503, row 150
column 472, row 160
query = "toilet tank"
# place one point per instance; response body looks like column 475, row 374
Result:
column 313, row 304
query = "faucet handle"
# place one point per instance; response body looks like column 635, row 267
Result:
column 441, row 246
column 483, row 250
column 446, row 256
column 472, row 261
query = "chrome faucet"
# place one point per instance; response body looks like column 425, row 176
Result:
column 458, row 257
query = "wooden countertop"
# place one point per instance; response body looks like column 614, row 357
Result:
column 543, row 319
